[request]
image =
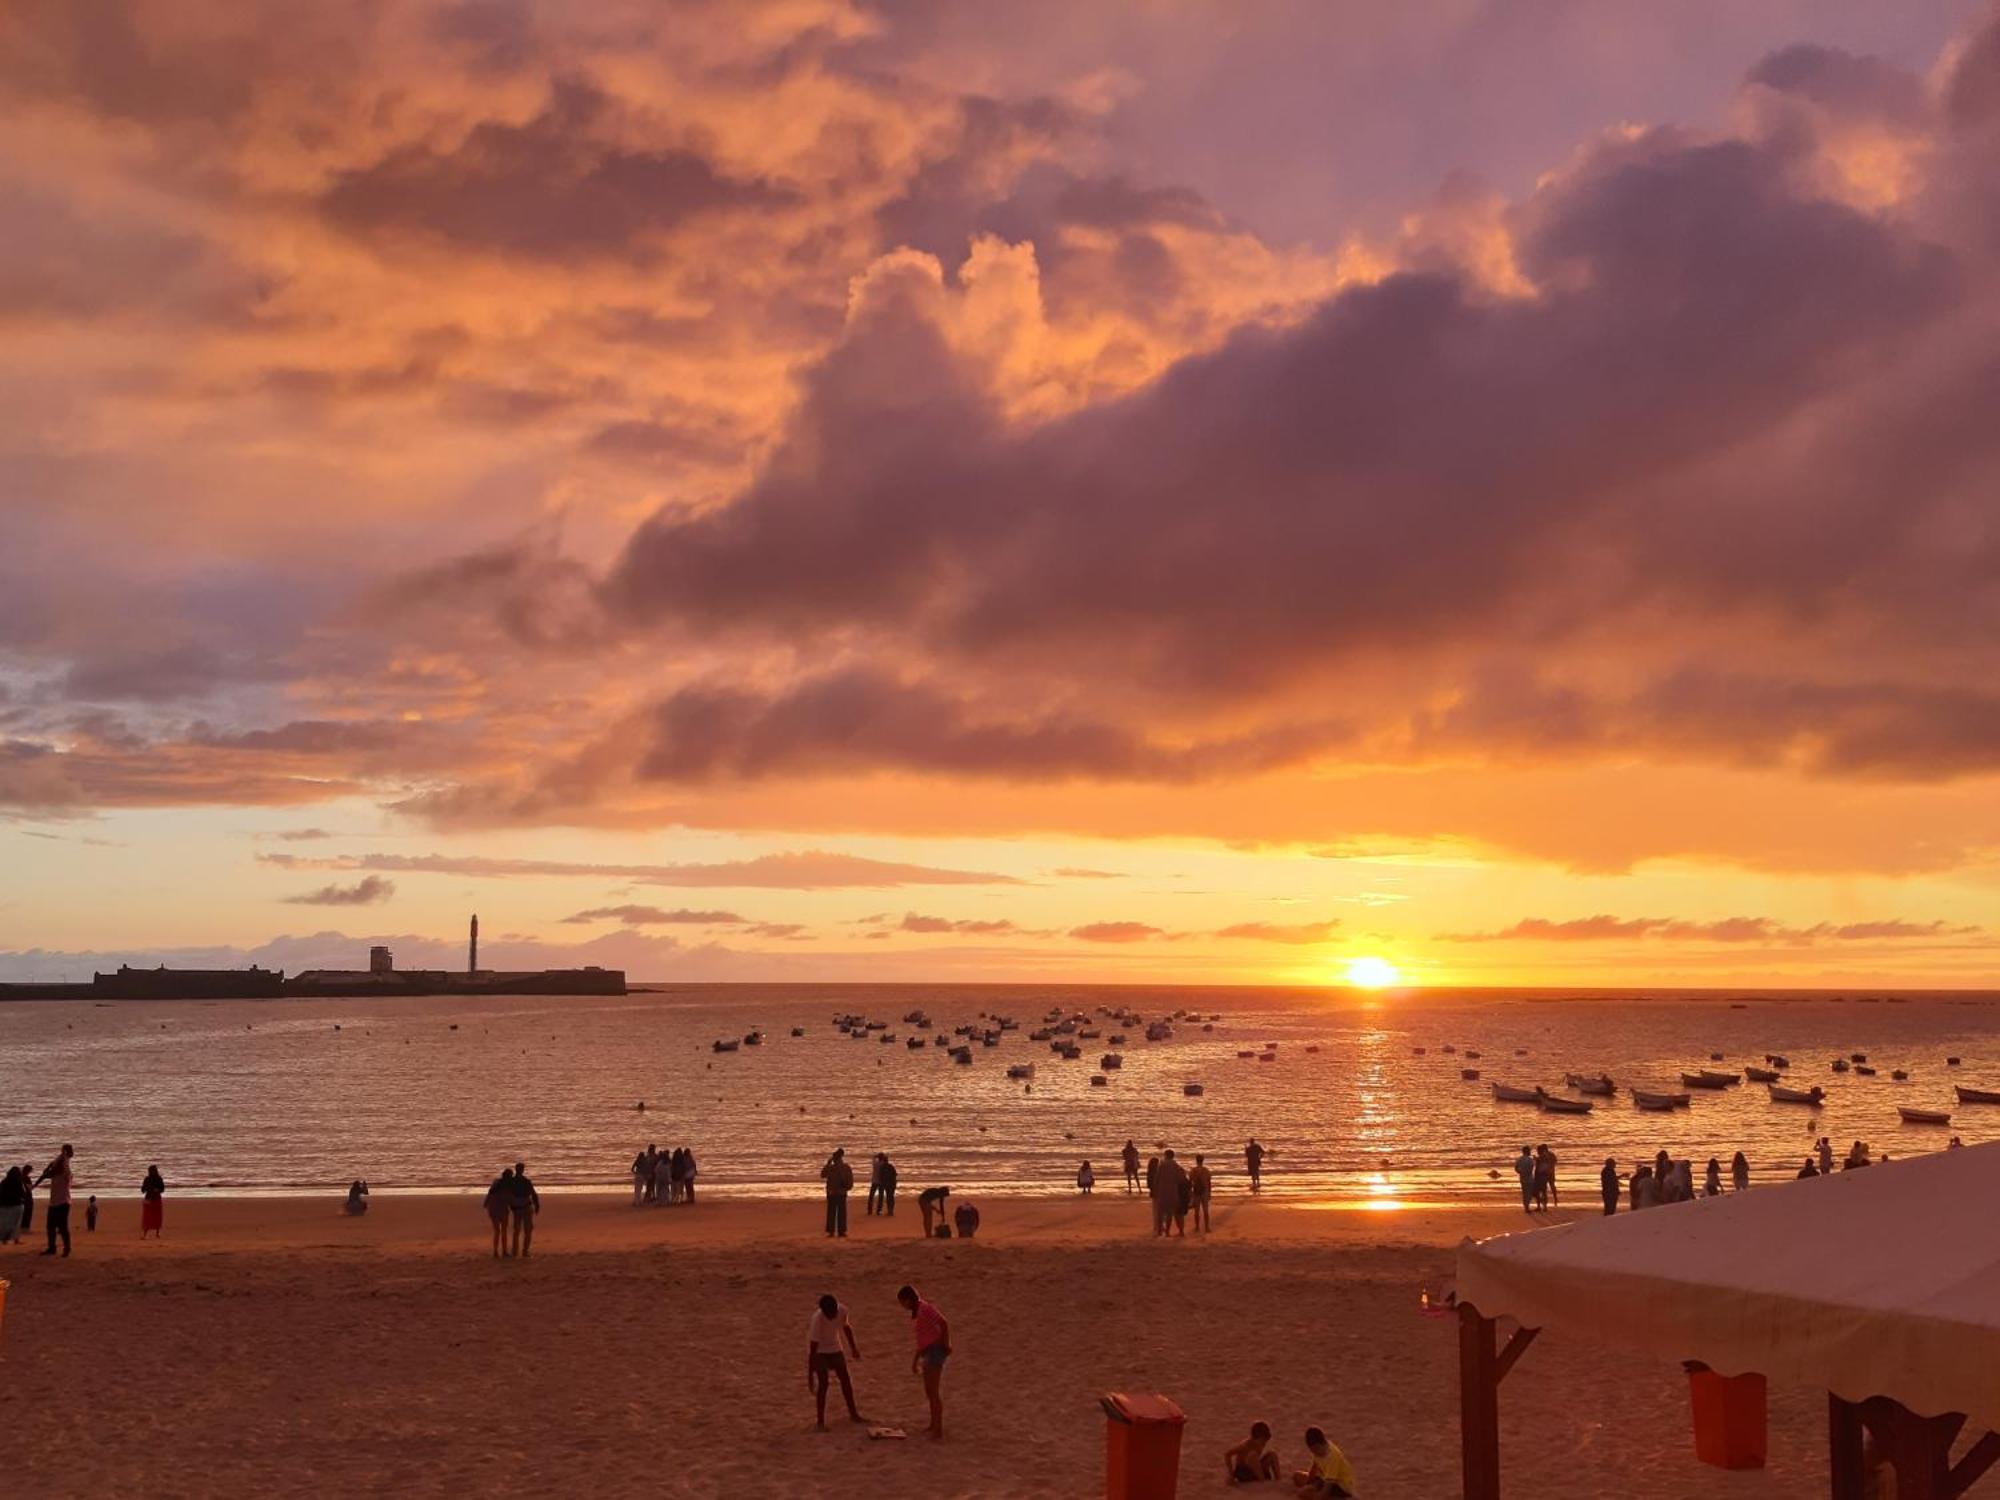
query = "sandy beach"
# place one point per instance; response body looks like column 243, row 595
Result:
column 273, row 1346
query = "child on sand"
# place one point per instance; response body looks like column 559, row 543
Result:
column 90, row 1216
column 1085, row 1179
column 1330, row 1474
column 1248, row 1462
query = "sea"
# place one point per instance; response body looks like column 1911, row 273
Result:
column 1362, row 1105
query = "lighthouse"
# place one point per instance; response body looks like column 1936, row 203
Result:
column 472, row 949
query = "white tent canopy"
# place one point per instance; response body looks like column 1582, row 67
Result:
column 1878, row 1282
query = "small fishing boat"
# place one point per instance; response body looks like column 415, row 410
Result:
column 753, row 1039
column 1901, row 1075
column 1708, row 1080
column 1470, row 1075
column 1652, row 1101
column 1246, row 1055
column 1098, row 1080
column 1864, row 1070
column 1506, row 1093
column 1951, row 1062
column 729, row 1046
column 1715, row 1057
column 1472, row 1054
column 1761, row 1075
column 915, row 1044
column 1117, row 1038
column 1312, row 1051
column 1857, row 1057
column 1782, row 1095
column 1555, row 1105
column 1267, row 1057
column 1191, row 1090
column 1976, row 1096
column 1110, row 1061
column 1417, row 1051
column 962, row 1056
column 1923, row 1116
column 1840, row 1065
column 1447, row 1049
column 1600, row 1084
column 1777, row 1060
column 1021, row 1070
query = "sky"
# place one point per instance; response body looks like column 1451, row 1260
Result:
column 851, row 490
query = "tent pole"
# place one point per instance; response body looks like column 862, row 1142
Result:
column 1478, row 1405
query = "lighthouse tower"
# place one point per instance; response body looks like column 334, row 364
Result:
column 472, row 951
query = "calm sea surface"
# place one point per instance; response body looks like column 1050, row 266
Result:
column 439, row 1093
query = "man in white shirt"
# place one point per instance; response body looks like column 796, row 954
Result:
column 829, row 1341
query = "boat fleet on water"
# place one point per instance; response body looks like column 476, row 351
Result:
column 1773, row 1074
column 1064, row 1032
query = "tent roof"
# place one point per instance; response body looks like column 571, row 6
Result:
column 1883, row 1281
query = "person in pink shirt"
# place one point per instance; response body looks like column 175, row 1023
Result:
column 933, row 1349
column 59, row 1176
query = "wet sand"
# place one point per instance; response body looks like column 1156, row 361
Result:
column 276, row 1346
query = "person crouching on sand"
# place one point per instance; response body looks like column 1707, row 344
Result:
column 933, row 1349
column 1330, row 1474
column 829, row 1341
column 1250, row 1461
column 357, row 1197
column 1085, row 1179
column 930, row 1203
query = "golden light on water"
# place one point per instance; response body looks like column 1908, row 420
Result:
column 1373, row 973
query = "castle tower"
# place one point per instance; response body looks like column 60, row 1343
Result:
column 472, row 953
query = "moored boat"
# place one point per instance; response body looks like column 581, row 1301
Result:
column 1556, row 1105
column 1864, row 1070
column 1647, row 1100
column 1761, row 1075
column 1192, row 1090
column 1507, row 1094
column 1782, row 1095
column 1599, row 1083
column 1923, row 1116
column 1706, row 1079
column 1976, row 1096
column 1470, row 1075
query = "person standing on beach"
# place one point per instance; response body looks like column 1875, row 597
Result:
column 1201, row 1184
column 13, row 1193
column 1739, row 1171
column 525, row 1203
column 61, row 1177
column 888, row 1186
column 1826, row 1156
column 1130, row 1156
column 874, row 1182
column 839, row 1179
column 1085, row 1179
column 1524, row 1168
column 1545, row 1178
column 829, row 1341
column 687, row 1174
column 1253, row 1158
column 499, row 1207
column 1608, row 1181
column 1712, row 1185
column 153, row 1209
column 933, row 1349
column 1164, row 1181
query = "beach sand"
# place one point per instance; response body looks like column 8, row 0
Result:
column 276, row 1346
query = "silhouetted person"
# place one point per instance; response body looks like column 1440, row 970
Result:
column 1130, row 1157
column 357, row 1196
column 526, row 1203
column 153, row 1205
column 500, row 1208
column 1608, row 1181
column 1201, row 1184
column 61, row 1177
column 13, row 1194
column 1253, row 1158
column 930, row 1203
column 839, row 1179
column 1739, row 1171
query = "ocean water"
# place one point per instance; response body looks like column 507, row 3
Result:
column 245, row 1096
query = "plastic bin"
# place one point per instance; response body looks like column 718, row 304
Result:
column 1142, row 1447
column 1729, row 1418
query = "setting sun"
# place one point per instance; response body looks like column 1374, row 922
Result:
column 1373, row 973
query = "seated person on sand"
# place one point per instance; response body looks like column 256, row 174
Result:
column 1249, row 1462
column 357, row 1197
column 1330, row 1474
column 966, row 1217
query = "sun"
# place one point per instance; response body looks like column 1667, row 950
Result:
column 1373, row 973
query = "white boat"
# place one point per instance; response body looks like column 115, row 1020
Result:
column 1653, row 1101
column 1506, row 1093
column 1783, row 1095
column 1923, row 1116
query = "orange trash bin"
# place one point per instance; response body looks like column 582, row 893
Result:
column 1729, row 1417
column 1142, row 1447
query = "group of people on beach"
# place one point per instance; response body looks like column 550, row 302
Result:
column 1252, row 1461
column 1667, row 1180
column 663, row 1177
column 1177, row 1193
column 830, row 1343
column 17, row 1202
column 836, row 1177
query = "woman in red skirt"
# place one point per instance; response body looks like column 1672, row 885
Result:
column 154, row 1213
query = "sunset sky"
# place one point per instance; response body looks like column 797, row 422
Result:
column 1189, row 490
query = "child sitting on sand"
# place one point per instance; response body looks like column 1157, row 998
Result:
column 1248, row 1462
column 1330, row 1474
